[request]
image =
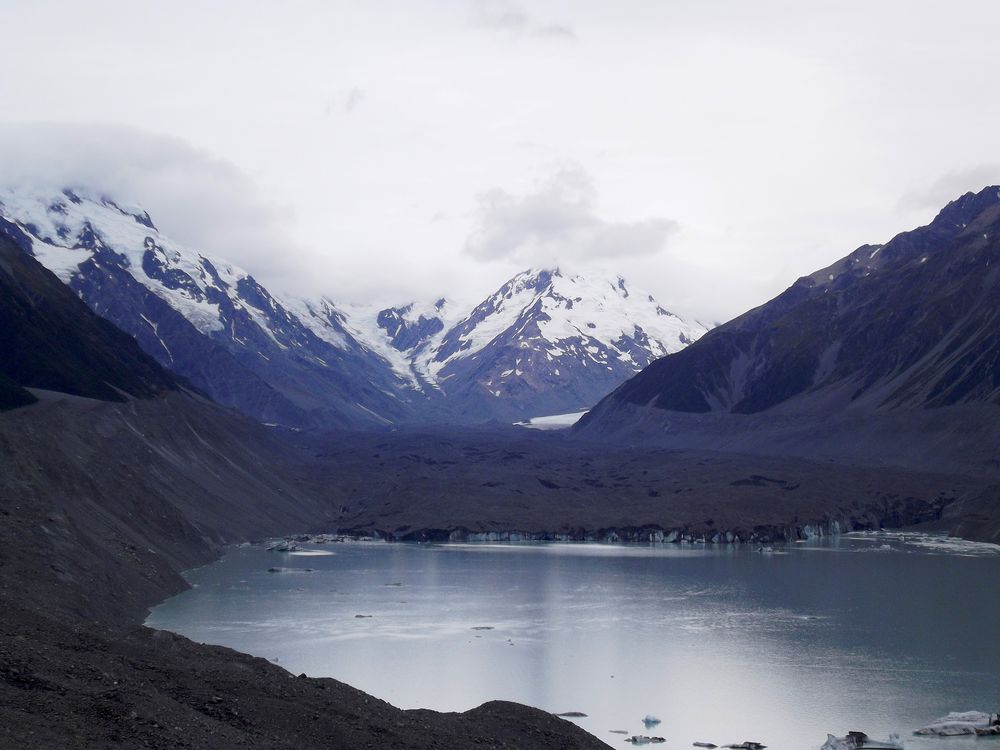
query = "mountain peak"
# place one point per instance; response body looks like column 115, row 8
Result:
column 963, row 211
column 905, row 325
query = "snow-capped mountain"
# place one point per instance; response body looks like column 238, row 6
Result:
column 288, row 361
column 543, row 343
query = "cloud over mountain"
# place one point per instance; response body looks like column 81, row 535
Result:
column 558, row 220
column 198, row 199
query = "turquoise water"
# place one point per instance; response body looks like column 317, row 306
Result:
column 876, row 633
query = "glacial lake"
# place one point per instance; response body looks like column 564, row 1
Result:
column 881, row 633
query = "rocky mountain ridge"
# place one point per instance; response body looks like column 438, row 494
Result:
column 910, row 325
column 544, row 342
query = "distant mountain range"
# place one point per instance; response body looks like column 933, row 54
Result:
column 909, row 325
column 545, row 342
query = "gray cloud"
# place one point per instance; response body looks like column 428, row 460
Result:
column 557, row 222
column 950, row 186
column 203, row 202
column 556, row 30
column 353, row 100
column 344, row 101
column 508, row 17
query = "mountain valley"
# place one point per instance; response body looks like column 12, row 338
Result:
column 120, row 474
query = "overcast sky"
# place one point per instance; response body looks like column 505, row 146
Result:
column 712, row 152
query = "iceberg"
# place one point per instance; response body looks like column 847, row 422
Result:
column 958, row 723
column 861, row 741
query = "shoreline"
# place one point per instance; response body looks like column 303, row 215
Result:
column 646, row 534
column 741, row 552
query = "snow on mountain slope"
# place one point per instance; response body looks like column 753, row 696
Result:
column 64, row 235
column 546, row 342
column 322, row 317
column 401, row 334
column 280, row 360
column 571, row 312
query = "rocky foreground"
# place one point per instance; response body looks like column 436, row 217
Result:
column 101, row 506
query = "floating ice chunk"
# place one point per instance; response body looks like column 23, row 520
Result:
column 650, row 721
column 290, row 570
column 836, row 743
column 958, row 723
column 861, row 741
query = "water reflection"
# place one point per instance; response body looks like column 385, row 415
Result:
column 723, row 644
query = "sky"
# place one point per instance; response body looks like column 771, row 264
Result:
column 709, row 151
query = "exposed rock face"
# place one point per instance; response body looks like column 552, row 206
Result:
column 406, row 333
column 910, row 324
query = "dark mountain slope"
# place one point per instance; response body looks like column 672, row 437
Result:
column 135, row 492
column 12, row 395
column 888, row 358
column 49, row 339
column 910, row 324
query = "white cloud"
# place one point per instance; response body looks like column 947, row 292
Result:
column 778, row 147
column 558, row 221
column 510, row 18
column 950, row 186
column 344, row 101
column 353, row 99
column 204, row 202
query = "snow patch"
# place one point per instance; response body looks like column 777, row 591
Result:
column 552, row 422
